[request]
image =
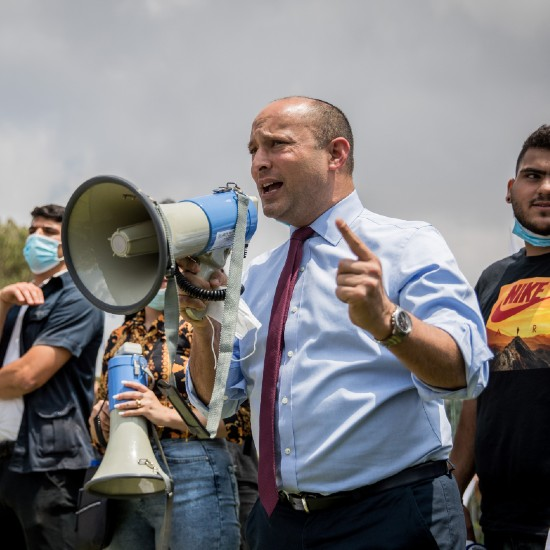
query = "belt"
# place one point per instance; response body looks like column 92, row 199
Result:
column 166, row 433
column 6, row 448
column 312, row 502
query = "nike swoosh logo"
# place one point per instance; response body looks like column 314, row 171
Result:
column 499, row 315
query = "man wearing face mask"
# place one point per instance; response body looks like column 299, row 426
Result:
column 502, row 436
column 50, row 336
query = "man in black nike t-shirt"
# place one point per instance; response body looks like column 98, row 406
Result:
column 503, row 436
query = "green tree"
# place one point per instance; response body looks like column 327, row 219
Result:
column 13, row 267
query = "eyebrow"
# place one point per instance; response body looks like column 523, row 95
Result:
column 532, row 170
column 253, row 140
column 278, row 134
column 44, row 227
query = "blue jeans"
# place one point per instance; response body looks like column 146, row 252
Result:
column 246, row 472
column 205, row 506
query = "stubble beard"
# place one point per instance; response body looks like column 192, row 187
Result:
column 540, row 227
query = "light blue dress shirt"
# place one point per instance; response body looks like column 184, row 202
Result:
column 348, row 413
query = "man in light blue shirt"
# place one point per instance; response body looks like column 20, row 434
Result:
column 382, row 326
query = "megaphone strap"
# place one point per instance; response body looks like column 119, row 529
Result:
column 229, row 319
column 98, row 428
column 169, row 484
column 171, row 308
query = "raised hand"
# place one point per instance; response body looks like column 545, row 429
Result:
column 359, row 284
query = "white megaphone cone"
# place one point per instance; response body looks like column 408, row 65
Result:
column 129, row 467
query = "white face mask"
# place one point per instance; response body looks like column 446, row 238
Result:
column 41, row 253
column 246, row 321
column 158, row 301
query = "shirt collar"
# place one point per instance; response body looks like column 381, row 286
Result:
column 56, row 274
column 349, row 209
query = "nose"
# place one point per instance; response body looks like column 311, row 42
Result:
column 260, row 161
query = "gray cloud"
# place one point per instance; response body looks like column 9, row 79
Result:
column 440, row 95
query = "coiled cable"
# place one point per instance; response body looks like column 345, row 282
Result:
column 209, row 295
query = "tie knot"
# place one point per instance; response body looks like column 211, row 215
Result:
column 302, row 233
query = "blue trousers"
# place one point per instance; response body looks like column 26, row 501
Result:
column 246, row 471
column 423, row 516
column 205, row 506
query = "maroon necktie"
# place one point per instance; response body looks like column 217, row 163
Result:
column 267, row 483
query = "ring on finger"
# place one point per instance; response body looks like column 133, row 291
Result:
column 138, row 403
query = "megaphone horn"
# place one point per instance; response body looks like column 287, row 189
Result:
column 118, row 242
column 129, row 467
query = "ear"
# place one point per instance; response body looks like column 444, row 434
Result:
column 509, row 190
column 338, row 150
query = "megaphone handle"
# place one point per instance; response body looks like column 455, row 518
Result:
column 195, row 314
column 209, row 263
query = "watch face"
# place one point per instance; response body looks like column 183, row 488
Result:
column 401, row 327
column 403, row 322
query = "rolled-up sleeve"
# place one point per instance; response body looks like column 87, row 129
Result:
column 439, row 294
column 235, row 388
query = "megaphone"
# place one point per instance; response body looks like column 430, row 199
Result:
column 129, row 467
column 118, row 242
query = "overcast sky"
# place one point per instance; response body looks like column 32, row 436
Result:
column 440, row 94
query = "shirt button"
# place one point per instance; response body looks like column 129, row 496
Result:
column 302, row 269
column 290, row 353
column 225, row 398
column 294, row 309
column 287, row 451
column 284, row 400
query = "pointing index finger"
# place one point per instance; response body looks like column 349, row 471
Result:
column 357, row 246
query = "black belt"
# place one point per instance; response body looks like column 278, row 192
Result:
column 312, row 502
column 6, row 448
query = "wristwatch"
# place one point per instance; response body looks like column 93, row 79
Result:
column 401, row 326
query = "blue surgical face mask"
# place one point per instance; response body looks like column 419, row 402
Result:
column 540, row 241
column 158, row 301
column 41, row 253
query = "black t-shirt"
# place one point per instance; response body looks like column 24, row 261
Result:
column 512, row 449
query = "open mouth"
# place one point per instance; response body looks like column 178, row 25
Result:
column 271, row 187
